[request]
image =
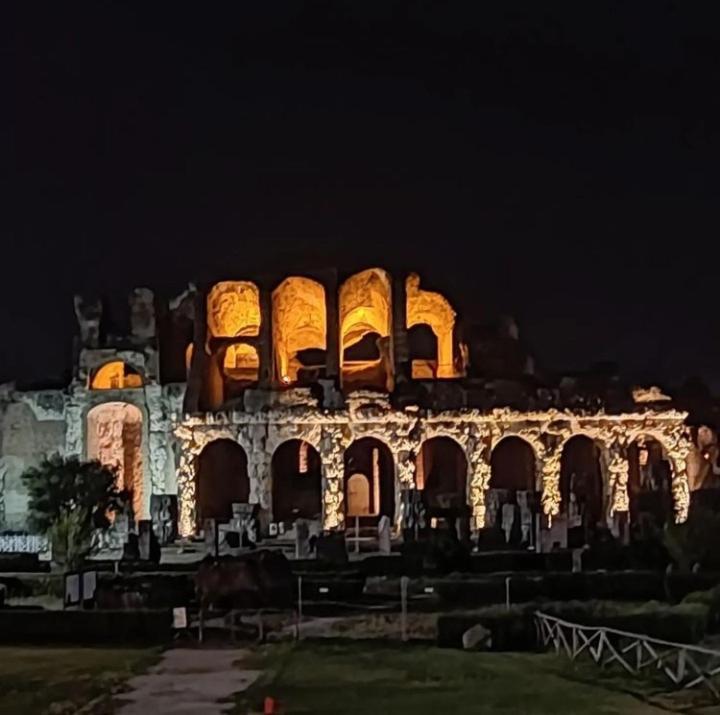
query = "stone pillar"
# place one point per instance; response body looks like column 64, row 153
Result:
column 332, row 360
column 679, row 453
column 195, row 380
column 264, row 343
column 548, row 464
column 332, row 451
column 399, row 313
column 478, row 453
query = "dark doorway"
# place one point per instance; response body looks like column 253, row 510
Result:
column 369, row 481
column 511, row 501
column 441, row 471
column 649, row 482
column 296, row 482
column 581, row 488
column 221, row 480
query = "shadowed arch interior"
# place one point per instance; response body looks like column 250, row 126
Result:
column 649, row 481
column 512, row 465
column 581, row 478
column 114, row 438
column 371, row 459
column 296, row 482
column 441, row 470
column 221, row 480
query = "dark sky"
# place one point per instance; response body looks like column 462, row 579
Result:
column 558, row 162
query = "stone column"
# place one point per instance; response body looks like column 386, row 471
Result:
column 332, row 453
column 193, row 392
column 264, row 343
column 680, row 486
column 478, row 452
column 332, row 359
column 399, row 313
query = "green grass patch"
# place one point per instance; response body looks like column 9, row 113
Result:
column 353, row 678
column 32, row 679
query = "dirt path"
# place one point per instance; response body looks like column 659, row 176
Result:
column 188, row 681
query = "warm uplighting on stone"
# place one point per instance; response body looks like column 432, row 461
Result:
column 115, row 376
column 432, row 309
column 366, row 325
column 241, row 362
column 299, row 324
column 233, row 310
column 114, row 438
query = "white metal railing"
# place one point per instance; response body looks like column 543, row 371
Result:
column 686, row 666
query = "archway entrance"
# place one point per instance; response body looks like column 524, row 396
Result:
column 296, row 482
column 369, row 481
column 114, row 438
column 581, row 488
column 510, row 502
column 649, row 482
column 221, row 480
column 441, row 472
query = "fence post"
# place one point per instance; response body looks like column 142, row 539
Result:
column 299, row 608
column 403, row 606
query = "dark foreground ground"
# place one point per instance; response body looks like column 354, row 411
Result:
column 344, row 677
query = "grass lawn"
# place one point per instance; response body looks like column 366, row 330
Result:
column 349, row 678
column 31, row 679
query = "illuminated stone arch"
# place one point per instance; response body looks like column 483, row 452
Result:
column 299, row 320
column 233, row 310
column 372, row 459
column 582, row 474
column 297, row 481
column 441, row 472
column 513, row 464
column 115, row 375
column 366, row 310
column 650, row 477
column 114, row 437
column 434, row 310
column 241, row 363
column 221, row 479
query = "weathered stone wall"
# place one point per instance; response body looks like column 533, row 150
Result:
column 32, row 426
column 261, row 431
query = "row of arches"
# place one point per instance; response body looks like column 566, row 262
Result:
column 115, row 436
column 365, row 328
column 441, row 473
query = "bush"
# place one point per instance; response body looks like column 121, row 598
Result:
column 711, row 600
column 85, row 627
column 515, row 629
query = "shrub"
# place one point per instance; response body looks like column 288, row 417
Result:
column 515, row 629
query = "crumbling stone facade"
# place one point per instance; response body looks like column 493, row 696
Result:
column 326, row 360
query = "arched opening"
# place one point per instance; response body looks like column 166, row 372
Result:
column 441, row 472
column 581, row 488
column 241, row 363
column 365, row 329
column 221, row 480
column 296, row 482
column 425, row 307
column 233, row 310
column 369, row 481
column 299, row 330
column 115, row 375
column 511, row 500
column 649, row 482
column 115, row 439
column 422, row 349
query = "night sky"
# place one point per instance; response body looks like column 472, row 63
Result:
column 554, row 162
